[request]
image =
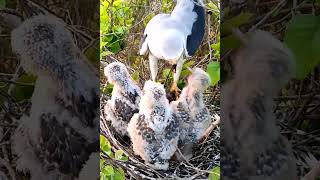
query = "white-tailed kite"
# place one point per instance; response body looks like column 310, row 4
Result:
column 172, row 37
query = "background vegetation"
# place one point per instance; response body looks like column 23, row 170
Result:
column 16, row 86
column 296, row 23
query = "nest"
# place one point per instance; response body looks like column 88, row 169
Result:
column 206, row 154
column 10, row 113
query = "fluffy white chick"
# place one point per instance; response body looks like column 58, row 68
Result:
column 125, row 97
column 191, row 111
column 154, row 130
column 60, row 133
column 252, row 146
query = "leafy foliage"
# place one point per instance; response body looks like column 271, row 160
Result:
column 2, row 3
column 216, row 48
column 303, row 38
column 213, row 70
column 229, row 41
column 24, row 90
column 108, row 172
column 115, row 21
column 235, row 22
column 215, row 173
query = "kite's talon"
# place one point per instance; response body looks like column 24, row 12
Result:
column 174, row 89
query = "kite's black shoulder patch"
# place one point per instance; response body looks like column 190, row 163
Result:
column 195, row 38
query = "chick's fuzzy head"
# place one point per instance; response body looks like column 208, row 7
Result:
column 154, row 93
column 199, row 79
column 116, row 73
column 43, row 44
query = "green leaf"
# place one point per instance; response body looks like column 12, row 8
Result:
column 303, row 37
column 184, row 73
column 167, row 73
column 228, row 43
column 215, row 173
column 108, row 170
column 105, row 145
column 237, row 21
column 103, row 177
column 104, row 54
column 136, row 75
column 181, row 84
column 118, row 154
column 213, row 70
column 188, row 64
column 124, row 158
column 92, row 53
column 103, row 141
column 102, row 164
column 119, row 174
column 115, row 47
column 216, row 46
column 22, row 92
column 2, row 3
column 108, row 89
column 117, row 3
column 212, row 6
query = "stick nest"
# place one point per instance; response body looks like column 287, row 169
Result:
column 206, row 155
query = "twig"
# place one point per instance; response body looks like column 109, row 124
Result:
column 8, row 125
column 6, row 164
column 297, row 97
column 210, row 128
column 15, row 83
column 209, row 30
column 90, row 44
column 268, row 15
column 14, row 79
